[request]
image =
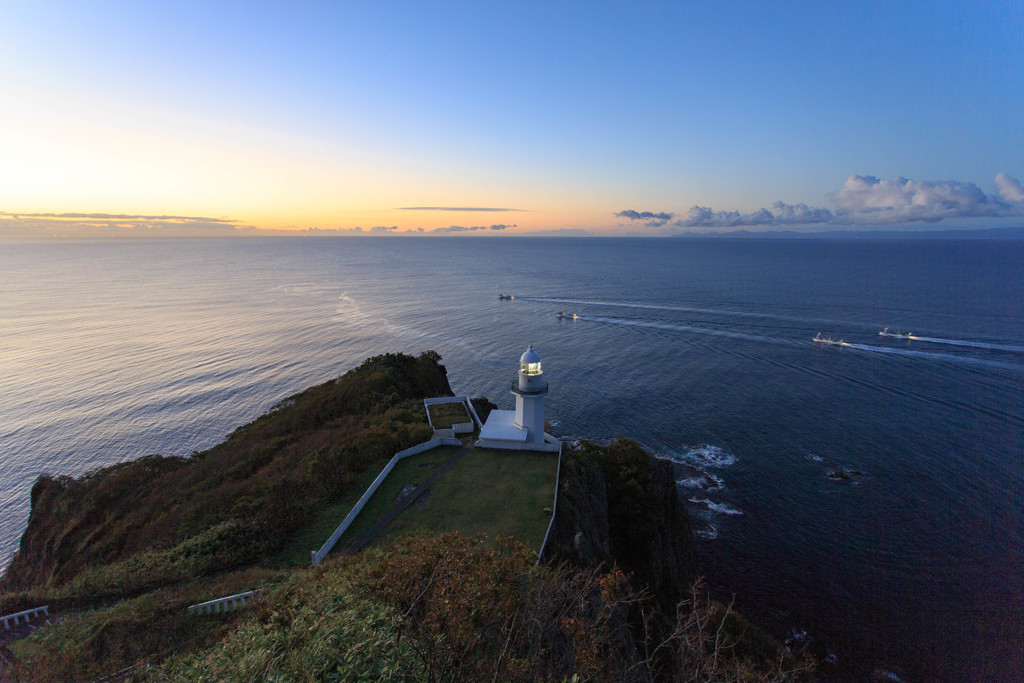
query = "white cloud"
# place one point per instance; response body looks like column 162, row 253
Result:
column 13, row 224
column 799, row 214
column 705, row 217
column 866, row 200
column 1009, row 189
column 654, row 219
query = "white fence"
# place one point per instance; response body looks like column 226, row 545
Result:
column 554, row 505
column 228, row 604
column 319, row 555
column 26, row 616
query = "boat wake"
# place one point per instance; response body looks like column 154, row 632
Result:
column 761, row 339
column 680, row 309
column 685, row 328
column 932, row 355
column 969, row 344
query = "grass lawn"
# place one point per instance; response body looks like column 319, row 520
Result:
column 444, row 415
column 489, row 491
column 411, row 470
column 316, row 533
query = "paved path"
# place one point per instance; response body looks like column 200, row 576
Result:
column 405, row 501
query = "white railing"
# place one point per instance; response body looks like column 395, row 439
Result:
column 228, row 604
column 472, row 412
column 318, row 555
column 26, row 616
column 554, row 505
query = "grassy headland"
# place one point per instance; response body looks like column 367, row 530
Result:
column 120, row 553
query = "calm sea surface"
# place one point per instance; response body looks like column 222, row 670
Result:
column 908, row 558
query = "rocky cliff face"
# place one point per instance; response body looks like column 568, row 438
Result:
column 617, row 503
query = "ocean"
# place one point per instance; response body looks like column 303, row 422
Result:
column 865, row 497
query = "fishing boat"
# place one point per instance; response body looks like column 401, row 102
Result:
column 567, row 316
column 827, row 340
column 505, row 296
column 896, row 335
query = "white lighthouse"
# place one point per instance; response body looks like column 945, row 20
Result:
column 523, row 428
column 529, row 389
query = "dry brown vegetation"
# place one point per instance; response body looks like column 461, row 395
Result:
column 450, row 608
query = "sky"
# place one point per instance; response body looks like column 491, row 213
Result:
column 488, row 118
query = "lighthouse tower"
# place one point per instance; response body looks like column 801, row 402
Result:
column 529, row 389
column 522, row 429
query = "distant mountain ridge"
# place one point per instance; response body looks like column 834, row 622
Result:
column 953, row 234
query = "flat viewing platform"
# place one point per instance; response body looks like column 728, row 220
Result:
column 501, row 426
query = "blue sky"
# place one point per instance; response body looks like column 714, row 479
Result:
column 338, row 115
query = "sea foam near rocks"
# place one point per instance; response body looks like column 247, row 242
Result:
column 704, row 481
column 721, row 508
column 709, row 533
column 700, row 457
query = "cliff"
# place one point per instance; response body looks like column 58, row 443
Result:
column 121, row 553
column 617, row 504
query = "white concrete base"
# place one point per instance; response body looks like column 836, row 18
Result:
column 501, row 432
column 501, row 426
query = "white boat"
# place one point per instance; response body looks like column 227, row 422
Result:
column 827, row 340
column 896, row 335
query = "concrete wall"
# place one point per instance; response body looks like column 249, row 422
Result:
column 458, row 428
column 319, row 555
column 550, row 445
column 464, row 427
